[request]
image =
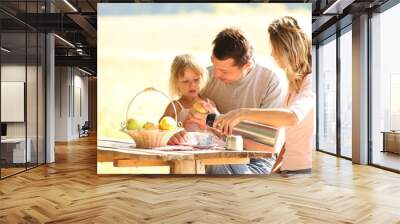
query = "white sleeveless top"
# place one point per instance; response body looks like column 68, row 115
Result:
column 183, row 113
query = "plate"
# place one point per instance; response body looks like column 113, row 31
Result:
column 200, row 138
column 201, row 146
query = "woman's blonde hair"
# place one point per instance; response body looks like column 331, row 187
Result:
column 293, row 47
column 178, row 67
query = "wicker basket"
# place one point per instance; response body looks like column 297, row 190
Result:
column 150, row 138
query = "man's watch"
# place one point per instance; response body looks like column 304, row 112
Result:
column 210, row 119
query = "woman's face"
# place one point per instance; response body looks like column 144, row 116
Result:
column 189, row 84
column 278, row 58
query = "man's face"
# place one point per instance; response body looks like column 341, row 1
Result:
column 227, row 71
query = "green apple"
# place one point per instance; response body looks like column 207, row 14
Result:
column 134, row 124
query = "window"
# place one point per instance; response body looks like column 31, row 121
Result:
column 327, row 95
column 346, row 92
column 385, row 89
column 22, row 72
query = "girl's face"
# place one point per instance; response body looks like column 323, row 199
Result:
column 189, row 84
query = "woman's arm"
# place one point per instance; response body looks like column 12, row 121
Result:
column 275, row 117
column 301, row 105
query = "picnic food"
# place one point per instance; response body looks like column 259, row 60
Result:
column 199, row 108
column 147, row 134
column 134, row 124
column 167, row 123
column 149, row 126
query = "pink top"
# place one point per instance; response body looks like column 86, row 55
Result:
column 299, row 137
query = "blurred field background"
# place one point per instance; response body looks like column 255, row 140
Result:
column 138, row 41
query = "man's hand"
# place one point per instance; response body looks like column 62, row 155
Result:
column 197, row 118
column 178, row 138
column 209, row 106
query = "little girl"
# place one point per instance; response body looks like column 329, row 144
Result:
column 187, row 79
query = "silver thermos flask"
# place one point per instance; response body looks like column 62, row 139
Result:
column 260, row 133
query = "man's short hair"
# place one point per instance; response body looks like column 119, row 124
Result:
column 231, row 43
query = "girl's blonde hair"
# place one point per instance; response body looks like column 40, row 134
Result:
column 178, row 67
column 293, row 47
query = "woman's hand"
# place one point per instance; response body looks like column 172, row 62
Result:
column 226, row 122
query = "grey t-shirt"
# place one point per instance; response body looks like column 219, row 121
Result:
column 261, row 88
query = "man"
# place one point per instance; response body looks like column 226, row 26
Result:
column 237, row 81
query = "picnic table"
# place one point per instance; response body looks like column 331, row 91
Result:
column 179, row 159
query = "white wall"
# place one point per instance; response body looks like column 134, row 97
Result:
column 71, row 93
column 33, row 127
column 16, row 73
column 81, row 94
column 62, row 82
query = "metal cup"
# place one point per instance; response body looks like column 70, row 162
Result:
column 234, row 143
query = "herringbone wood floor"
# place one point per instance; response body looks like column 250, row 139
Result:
column 69, row 191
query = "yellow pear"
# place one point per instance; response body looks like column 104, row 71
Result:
column 149, row 126
column 199, row 108
column 167, row 123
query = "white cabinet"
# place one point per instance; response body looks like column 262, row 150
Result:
column 16, row 148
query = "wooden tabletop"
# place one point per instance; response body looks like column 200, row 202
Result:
column 187, row 162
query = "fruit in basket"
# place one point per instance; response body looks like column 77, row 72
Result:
column 134, row 124
column 167, row 123
column 199, row 108
column 150, row 126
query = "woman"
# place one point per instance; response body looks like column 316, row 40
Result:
column 291, row 49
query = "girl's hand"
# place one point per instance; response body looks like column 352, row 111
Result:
column 178, row 138
column 195, row 118
column 226, row 122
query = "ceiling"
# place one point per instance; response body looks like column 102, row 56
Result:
column 75, row 21
column 75, row 43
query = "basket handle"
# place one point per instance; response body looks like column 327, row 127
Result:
column 149, row 89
